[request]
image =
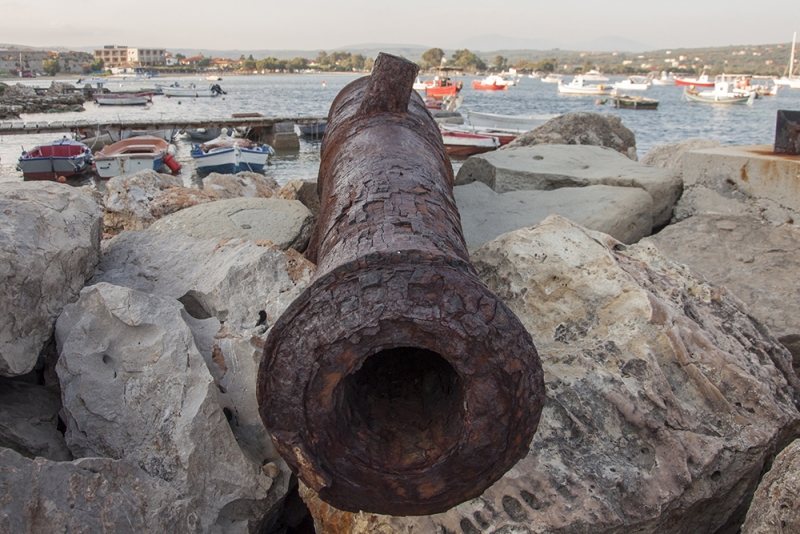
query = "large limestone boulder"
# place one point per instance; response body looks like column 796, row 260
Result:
column 755, row 260
column 626, row 213
column 303, row 190
column 286, row 223
column 87, row 495
column 776, row 504
column 581, row 128
column 665, row 399
column 29, row 420
column 547, row 167
column 233, row 291
column 128, row 199
column 670, row 156
column 136, row 388
column 243, row 184
column 49, row 245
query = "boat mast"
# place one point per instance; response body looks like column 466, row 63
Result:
column 791, row 57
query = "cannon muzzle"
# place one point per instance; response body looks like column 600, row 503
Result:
column 397, row 383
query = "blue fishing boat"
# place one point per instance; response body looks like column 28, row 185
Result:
column 230, row 155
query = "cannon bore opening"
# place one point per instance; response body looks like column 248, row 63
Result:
column 402, row 410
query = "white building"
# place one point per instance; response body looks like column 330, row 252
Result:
column 115, row 56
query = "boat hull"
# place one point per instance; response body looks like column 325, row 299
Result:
column 127, row 164
column 508, row 123
column 231, row 160
column 464, row 144
column 566, row 89
column 52, row 161
column 708, row 97
column 478, row 86
column 691, row 81
column 635, row 103
column 138, row 99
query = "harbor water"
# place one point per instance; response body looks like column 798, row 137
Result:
column 296, row 95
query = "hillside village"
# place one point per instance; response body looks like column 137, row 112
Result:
column 766, row 60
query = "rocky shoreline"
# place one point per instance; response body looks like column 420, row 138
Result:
column 59, row 97
column 659, row 299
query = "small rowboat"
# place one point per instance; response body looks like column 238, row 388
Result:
column 132, row 155
column 231, row 155
column 123, row 99
column 464, row 144
column 51, row 161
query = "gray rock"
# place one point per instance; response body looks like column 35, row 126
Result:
column 29, row 420
column 243, row 184
column 129, row 198
column 49, row 246
column 776, row 503
column 581, row 128
column 754, row 260
column 665, row 398
column 233, row 291
column 286, row 223
column 87, row 495
column 670, row 156
column 136, row 388
column 547, row 167
column 626, row 213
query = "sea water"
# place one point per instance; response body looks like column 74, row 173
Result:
column 310, row 95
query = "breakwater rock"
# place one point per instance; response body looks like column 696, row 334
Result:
column 16, row 99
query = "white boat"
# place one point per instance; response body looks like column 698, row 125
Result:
column 553, row 78
column 214, row 78
column 464, row 144
column 634, row 83
column 191, row 91
column 507, row 123
column 51, row 161
column 131, row 155
column 578, row 87
column 231, row 155
column 791, row 81
column 123, row 99
column 595, row 76
column 492, row 82
column 665, row 79
column 724, row 92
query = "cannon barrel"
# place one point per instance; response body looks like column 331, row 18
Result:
column 396, row 383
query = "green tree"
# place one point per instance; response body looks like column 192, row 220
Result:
column 98, row 65
column 297, row 63
column 249, row 64
column 499, row 63
column 432, row 58
column 547, row 65
column 179, row 57
column 51, row 67
column 203, row 63
column 466, row 60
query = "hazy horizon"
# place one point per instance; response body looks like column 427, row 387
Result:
column 314, row 25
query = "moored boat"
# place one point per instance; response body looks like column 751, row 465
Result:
column 634, row 83
column 507, row 123
column 131, row 155
column 633, row 102
column 702, row 81
column 440, row 85
column 191, row 91
column 553, row 78
column 490, row 83
column 578, row 87
column 313, row 128
column 123, row 99
column 51, row 161
column 231, row 155
column 724, row 92
column 503, row 136
column 464, row 144
column 664, row 79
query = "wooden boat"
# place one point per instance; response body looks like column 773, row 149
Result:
column 490, row 83
column 131, row 155
column 507, row 123
column 202, row 134
column 553, row 78
column 191, row 91
column 440, row 85
column 702, row 81
column 313, row 129
column 634, row 83
column 724, row 92
column 578, row 87
column 633, row 102
column 503, row 137
column 51, row 161
column 664, row 79
column 230, row 155
column 123, row 99
column 464, row 144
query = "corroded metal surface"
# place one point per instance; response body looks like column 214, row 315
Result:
column 397, row 383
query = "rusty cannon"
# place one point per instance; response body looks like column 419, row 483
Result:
column 396, row 383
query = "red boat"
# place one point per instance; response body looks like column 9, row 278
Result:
column 702, row 81
column 490, row 83
column 464, row 144
column 440, row 86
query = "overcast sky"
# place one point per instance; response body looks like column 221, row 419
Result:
column 328, row 25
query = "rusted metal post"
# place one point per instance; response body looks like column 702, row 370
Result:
column 397, row 383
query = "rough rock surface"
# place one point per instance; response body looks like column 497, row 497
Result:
column 87, row 495
column 547, row 167
column 626, row 213
column 129, row 198
column 29, row 420
column 49, row 246
column 581, row 128
column 233, row 292
column 16, row 99
column 243, row 184
column 286, row 223
column 755, row 260
column 665, row 399
column 776, row 504
column 303, row 190
column 670, row 156
column 136, row 388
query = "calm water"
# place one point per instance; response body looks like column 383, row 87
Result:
column 311, row 95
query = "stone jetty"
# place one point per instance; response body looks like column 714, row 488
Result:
column 661, row 296
column 18, row 98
